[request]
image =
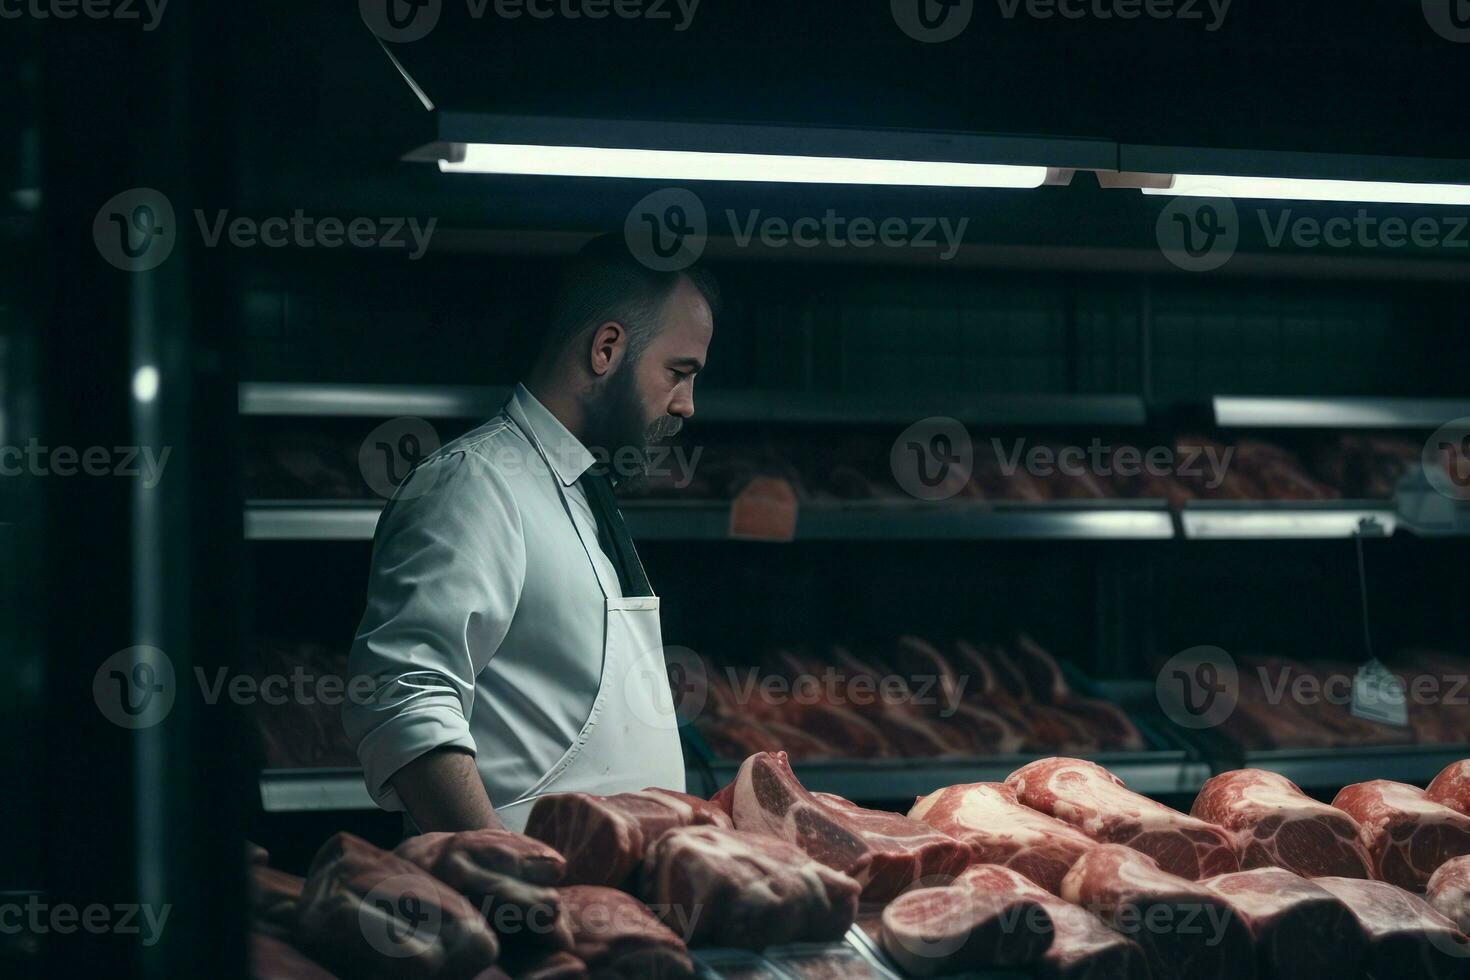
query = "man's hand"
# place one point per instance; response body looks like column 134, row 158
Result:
column 443, row 791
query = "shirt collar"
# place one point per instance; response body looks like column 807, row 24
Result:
column 564, row 451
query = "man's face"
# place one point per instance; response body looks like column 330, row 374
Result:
column 646, row 401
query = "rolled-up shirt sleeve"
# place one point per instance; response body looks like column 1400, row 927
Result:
column 449, row 562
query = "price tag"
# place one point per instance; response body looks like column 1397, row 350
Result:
column 1379, row 696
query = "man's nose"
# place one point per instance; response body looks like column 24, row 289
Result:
column 682, row 405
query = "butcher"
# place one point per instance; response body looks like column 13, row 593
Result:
column 511, row 635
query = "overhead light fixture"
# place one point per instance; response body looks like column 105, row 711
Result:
column 614, row 162
column 1306, row 189
column 475, row 143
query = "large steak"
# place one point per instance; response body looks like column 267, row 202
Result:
column 1275, row 824
column 1452, row 786
column 1407, row 938
column 1097, row 803
column 367, row 913
column 506, row 875
column 999, row 829
column 617, row 936
column 1186, row 930
column 1449, row 891
column 603, row 838
column 934, row 931
column 728, row 888
column 1082, row 947
column 1407, row 834
column 884, row 852
column 1302, row 931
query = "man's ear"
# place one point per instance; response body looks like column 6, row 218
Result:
column 609, row 341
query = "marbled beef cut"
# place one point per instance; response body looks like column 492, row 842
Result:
column 603, row 838
column 1449, row 891
column 1186, row 930
column 934, row 931
column 1408, row 835
column 1082, row 947
column 506, row 875
column 999, row 829
column 1407, row 938
column 1275, row 824
column 884, row 852
column 370, row 914
column 745, row 890
column 618, row 937
column 1452, row 786
column 1302, row 931
column 1096, row 802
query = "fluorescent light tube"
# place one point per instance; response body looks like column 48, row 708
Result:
column 589, row 161
column 1301, row 189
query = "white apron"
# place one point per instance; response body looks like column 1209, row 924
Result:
column 631, row 738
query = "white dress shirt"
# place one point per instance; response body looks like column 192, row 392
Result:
column 485, row 622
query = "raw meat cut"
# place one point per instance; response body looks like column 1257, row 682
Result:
column 272, row 958
column 367, row 913
column 934, row 931
column 603, row 838
column 1407, row 938
column 1408, row 835
column 274, row 897
column 1275, row 824
column 1097, row 803
column 1000, row 830
column 1452, row 786
column 506, row 875
column 884, row 852
column 745, row 890
column 1302, row 931
column 1185, row 929
column 1449, row 891
column 1082, row 948
column 617, row 936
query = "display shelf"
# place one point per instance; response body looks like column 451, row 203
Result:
column 1335, row 768
column 296, row 790
column 1156, row 772
column 311, row 520
column 733, row 405
column 707, row 520
column 1337, row 413
column 1243, row 520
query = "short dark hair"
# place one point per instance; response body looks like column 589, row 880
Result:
column 606, row 281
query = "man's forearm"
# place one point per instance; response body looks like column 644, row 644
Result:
column 443, row 791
